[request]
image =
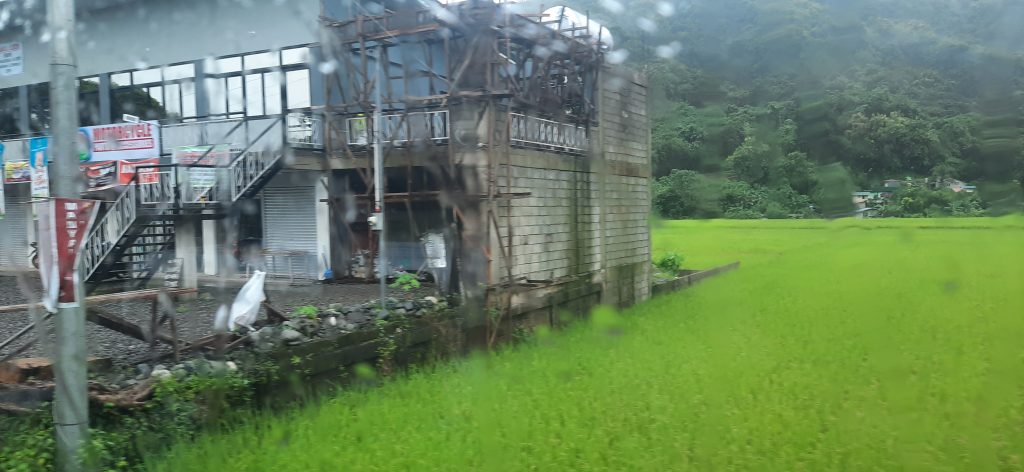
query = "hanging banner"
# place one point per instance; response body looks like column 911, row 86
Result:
column 211, row 155
column 38, row 161
column 127, row 170
column 119, row 141
column 64, row 223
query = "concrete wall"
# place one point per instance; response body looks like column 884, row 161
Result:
column 582, row 234
column 624, row 137
column 139, row 34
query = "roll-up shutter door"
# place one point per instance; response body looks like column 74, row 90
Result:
column 14, row 233
column 289, row 230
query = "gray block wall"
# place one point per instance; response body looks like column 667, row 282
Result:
column 584, row 224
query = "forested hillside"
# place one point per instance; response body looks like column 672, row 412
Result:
column 782, row 107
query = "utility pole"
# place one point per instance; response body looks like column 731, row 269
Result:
column 71, row 407
column 378, row 176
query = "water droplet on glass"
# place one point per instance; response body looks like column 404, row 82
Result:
column 327, row 67
column 617, row 56
column 666, row 51
column 646, row 24
column 613, row 6
column 665, row 8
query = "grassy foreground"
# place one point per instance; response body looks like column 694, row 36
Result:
column 838, row 346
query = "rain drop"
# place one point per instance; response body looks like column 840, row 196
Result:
column 617, row 56
column 327, row 67
column 613, row 6
column 665, row 8
column 646, row 24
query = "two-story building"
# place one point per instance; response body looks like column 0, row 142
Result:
column 516, row 156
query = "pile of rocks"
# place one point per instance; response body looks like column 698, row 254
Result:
column 336, row 319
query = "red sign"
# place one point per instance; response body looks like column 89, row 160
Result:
column 64, row 225
column 128, row 170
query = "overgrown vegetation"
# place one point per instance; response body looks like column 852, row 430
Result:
column 779, row 105
column 812, row 368
column 121, row 439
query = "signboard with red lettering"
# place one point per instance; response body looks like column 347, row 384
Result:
column 128, row 169
column 64, row 223
column 119, row 141
column 12, row 59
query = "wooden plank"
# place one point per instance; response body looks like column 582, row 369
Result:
column 123, row 326
column 110, row 297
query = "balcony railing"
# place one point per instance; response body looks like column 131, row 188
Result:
column 400, row 129
column 529, row 131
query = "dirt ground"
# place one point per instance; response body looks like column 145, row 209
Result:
column 195, row 318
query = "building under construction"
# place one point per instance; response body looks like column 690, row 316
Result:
column 515, row 157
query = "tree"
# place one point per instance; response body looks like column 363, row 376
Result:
column 686, row 194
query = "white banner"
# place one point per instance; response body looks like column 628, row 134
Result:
column 12, row 59
column 119, row 141
column 40, row 182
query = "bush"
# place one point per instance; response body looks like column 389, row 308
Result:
column 670, row 263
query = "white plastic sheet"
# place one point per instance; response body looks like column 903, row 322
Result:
column 246, row 306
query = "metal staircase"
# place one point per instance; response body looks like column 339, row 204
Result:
column 135, row 237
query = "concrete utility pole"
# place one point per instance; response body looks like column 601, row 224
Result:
column 71, row 408
column 378, row 176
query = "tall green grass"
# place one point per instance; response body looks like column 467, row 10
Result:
column 857, row 346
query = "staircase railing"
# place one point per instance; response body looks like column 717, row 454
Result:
column 174, row 186
column 109, row 230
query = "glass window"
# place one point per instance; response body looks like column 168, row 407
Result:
column 188, row 99
column 228, row 64
column 254, row 94
column 9, row 112
column 295, row 56
column 216, row 94
column 297, row 85
column 172, row 100
column 261, row 60
column 272, row 92
column 39, row 107
column 236, row 102
column 89, row 101
column 146, row 76
column 181, row 71
column 121, row 79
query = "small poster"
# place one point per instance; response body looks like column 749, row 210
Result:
column 12, row 59
column 40, row 182
column 100, row 175
column 17, row 172
column 437, row 256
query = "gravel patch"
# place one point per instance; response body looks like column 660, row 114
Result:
column 195, row 319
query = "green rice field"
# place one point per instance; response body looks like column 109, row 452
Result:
column 847, row 345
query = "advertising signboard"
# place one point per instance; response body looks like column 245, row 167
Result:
column 119, row 141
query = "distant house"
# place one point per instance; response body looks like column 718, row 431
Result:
column 865, row 203
column 892, row 183
column 956, row 185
